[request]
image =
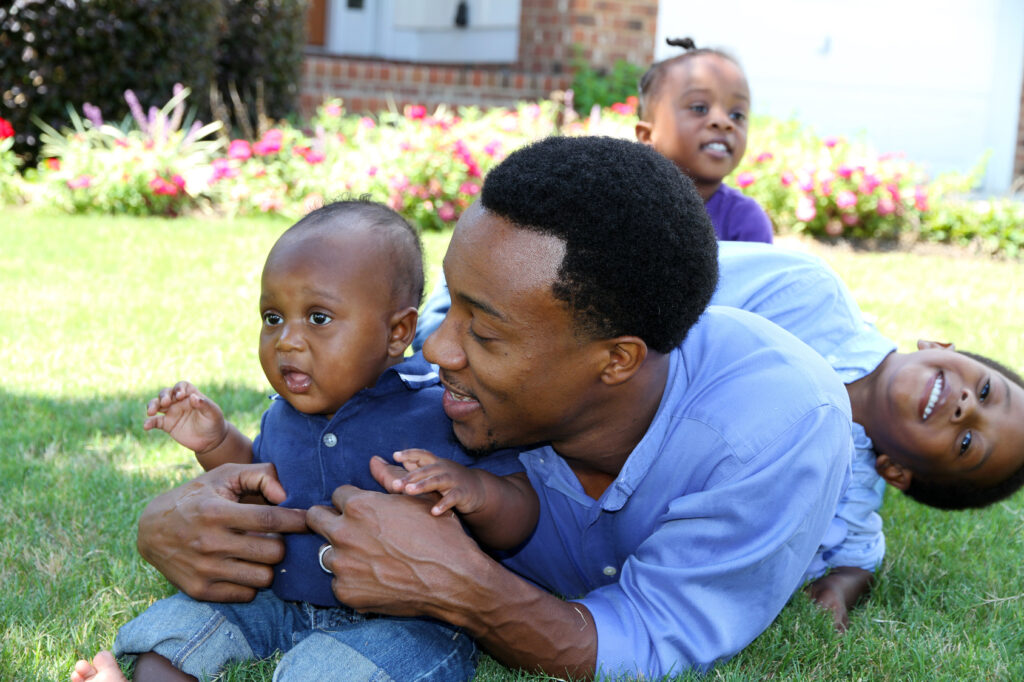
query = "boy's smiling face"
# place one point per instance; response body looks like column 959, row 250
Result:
column 326, row 305
column 946, row 417
column 698, row 119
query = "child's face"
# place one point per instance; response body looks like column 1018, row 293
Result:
column 326, row 303
column 945, row 416
column 698, row 119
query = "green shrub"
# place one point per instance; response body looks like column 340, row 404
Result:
column 55, row 54
column 602, row 87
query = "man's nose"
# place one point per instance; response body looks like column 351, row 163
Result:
column 442, row 347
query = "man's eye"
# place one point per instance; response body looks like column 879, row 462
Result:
column 984, row 392
column 476, row 337
column 965, row 442
column 319, row 318
column 271, row 319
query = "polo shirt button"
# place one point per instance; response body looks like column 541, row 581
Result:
column 330, row 440
column 609, row 570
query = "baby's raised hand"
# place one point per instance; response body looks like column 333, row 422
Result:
column 460, row 488
column 188, row 416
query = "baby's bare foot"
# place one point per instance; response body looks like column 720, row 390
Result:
column 103, row 668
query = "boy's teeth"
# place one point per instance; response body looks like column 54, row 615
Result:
column 936, row 390
column 717, row 146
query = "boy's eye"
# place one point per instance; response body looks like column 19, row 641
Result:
column 271, row 319
column 738, row 116
column 965, row 442
column 699, row 108
column 983, row 393
column 319, row 319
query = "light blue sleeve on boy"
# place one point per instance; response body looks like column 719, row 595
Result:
column 801, row 294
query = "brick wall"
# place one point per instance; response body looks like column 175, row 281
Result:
column 607, row 30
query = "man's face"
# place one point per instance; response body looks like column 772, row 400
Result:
column 514, row 371
column 946, row 416
column 325, row 306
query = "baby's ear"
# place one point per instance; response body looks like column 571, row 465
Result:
column 924, row 344
column 895, row 474
column 401, row 331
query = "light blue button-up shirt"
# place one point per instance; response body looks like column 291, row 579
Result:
column 706, row 532
column 800, row 293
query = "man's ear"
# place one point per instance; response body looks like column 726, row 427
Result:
column 643, row 132
column 626, row 355
column 924, row 344
column 895, row 474
column 402, row 328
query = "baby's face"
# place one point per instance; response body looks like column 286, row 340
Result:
column 699, row 118
column 325, row 306
column 946, row 416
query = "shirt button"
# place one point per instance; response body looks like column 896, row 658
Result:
column 609, row 570
column 330, row 440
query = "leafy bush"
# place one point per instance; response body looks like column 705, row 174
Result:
column 604, row 88
column 69, row 52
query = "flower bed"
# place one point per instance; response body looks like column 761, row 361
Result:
column 429, row 166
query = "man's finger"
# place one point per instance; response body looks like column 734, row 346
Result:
column 342, row 494
column 318, row 518
column 264, row 518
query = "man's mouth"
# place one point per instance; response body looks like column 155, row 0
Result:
column 933, row 396
column 458, row 405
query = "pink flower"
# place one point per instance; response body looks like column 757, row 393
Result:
column 178, row 181
column 6, row 129
column 787, row 178
column 850, row 218
column 80, row 182
column 894, row 191
column 163, row 187
column 745, row 179
column 415, row 112
column 492, row 148
column 270, row 143
column 299, row 150
column 844, row 171
column 845, row 199
column 826, row 187
column 764, row 156
column 446, row 212
column 805, row 181
column 314, row 157
column 830, row 142
column 885, row 206
column 333, row 110
column 222, row 168
column 833, row 228
column 239, row 149
column 470, row 188
column 271, row 202
column 52, row 164
column 372, row 171
column 805, row 210
column 921, row 198
column 398, row 182
column 367, row 123
column 868, row 183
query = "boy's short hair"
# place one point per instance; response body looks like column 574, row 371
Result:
column 405, row 252
column 960, row 494
column 640, row 253
column 650, row 83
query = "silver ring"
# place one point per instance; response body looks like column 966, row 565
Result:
column 323, row 550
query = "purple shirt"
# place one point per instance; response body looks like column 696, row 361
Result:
column 738, row 218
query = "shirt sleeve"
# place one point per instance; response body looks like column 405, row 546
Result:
column 723, row 561
column 750, row 222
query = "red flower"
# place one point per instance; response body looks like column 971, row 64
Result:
column 52, row 163
column 415, row 112
column 6, row 129
column 161, row 186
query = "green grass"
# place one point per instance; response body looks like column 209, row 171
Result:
column 99, row 312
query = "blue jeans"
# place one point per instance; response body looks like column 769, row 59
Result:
column 199, row 638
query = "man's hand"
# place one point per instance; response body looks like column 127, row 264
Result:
column 839, row 591
column 188, row 417
column 211, row 546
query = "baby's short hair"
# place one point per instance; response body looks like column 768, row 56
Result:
column 960, row 494
column 650, row 82
column 405, row 251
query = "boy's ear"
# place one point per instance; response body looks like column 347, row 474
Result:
column 401, row 331
column 626, row 355
column 895, row 474
column 643, row 132
column 924, row 344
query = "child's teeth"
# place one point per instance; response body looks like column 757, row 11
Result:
column 936, row 390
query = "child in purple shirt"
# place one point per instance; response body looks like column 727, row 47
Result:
column 694, row 109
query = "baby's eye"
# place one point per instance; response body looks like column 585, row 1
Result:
column 984, row 392
column 319, row 319
column 271, row 319
column 965, row 442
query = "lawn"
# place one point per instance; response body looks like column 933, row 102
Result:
column 100, row 312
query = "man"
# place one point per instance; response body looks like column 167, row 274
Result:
column 688, row 462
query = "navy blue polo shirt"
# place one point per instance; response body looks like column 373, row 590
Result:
column 314, row 455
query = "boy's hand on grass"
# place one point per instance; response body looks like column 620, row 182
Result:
column 459, row 487
column 188, row 416
column 839, row 591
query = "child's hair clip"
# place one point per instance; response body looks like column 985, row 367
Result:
column 685, row 43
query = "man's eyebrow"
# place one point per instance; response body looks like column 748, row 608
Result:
column 480, row 305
